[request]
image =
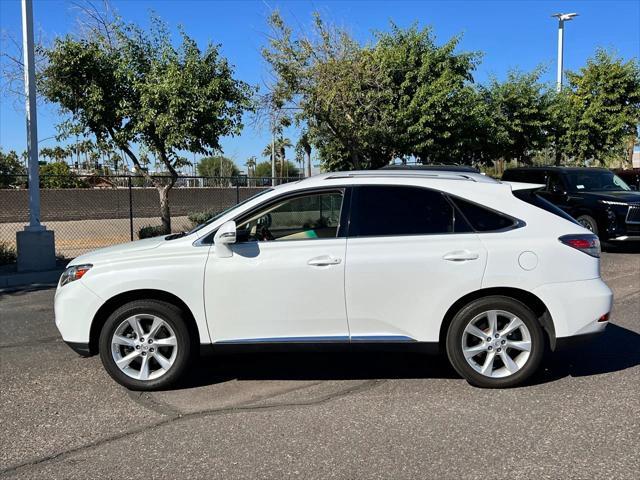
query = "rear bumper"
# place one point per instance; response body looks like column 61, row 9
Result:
column 576, row 307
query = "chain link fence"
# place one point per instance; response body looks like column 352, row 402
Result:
column 96, row 211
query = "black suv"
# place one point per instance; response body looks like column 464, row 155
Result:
column 597, row 198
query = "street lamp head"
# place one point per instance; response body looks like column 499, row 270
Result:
column 564, row 17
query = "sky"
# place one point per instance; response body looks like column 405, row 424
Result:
column 511, row 34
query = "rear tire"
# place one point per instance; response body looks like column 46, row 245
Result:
column 495, row 342
column 146, row 345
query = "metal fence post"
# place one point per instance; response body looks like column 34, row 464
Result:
column 130, row 208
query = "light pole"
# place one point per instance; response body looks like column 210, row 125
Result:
column 562, row 17
column 36, row 249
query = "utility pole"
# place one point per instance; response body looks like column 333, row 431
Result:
column 36, row 248
column 562, row 17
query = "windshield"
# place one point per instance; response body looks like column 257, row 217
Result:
column 227, row 210
column 595, row 181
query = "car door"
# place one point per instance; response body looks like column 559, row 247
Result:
column 284, row 281
column 410, row 256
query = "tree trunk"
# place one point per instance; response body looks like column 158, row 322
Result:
column 165, row 213
column 308, row 162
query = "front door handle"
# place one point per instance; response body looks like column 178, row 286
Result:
column 323, row 261
column 461, row 256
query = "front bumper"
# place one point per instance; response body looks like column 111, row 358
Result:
column 75, row 307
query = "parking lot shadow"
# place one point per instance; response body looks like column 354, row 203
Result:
column 617, row 349
column 330, row 365
column 621, row 247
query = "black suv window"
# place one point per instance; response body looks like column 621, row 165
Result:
column 482, row 219
column 525, row 176
column 397, row 210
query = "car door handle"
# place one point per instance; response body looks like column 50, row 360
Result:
column 461, row 256
column 324, row 261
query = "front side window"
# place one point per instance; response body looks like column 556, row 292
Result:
column 299, row 218
column 395, row 210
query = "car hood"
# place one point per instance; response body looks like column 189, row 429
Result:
column 115, row 251
column 622, row 196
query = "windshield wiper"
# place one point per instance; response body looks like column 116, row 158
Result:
column 173, row 236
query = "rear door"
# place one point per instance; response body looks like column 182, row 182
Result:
column 410, row 255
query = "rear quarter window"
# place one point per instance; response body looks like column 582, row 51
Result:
column 483, row 219
column 532, row 198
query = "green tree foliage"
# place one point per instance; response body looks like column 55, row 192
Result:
column 518, row 116
column 217, row 166
column 403, row 96
column 303, row 152
column 603, row 108
column 58, row 175
column 263, row 169
column 11, row 169
column 134, row 86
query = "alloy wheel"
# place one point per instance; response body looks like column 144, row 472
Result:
column 496, row 343
column 144, row 347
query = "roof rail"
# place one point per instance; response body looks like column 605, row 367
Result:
column 431, row 174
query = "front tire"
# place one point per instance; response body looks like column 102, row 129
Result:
column 145, row 345
column 588, row 222
column 495, row 342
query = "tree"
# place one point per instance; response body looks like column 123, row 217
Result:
column 519, row 116
column 129, row 86
column 251, row 166
column 303, row 152
column 263, row 169
column 217, row 167
column 10, row 169
column 58, row 175
column 56, row 154
column 280, row 148
column 604, row 110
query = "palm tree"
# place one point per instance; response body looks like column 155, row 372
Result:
column 251, row 166
column 281, row 145
column 303, row 152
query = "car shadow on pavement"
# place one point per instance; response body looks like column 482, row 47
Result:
column 328, row 365
column 616, row 349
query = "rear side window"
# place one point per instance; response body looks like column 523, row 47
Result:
column 396, row 210
column 531, row 197
column 482, row 219
column 525, row 176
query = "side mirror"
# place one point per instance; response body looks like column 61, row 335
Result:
column 225, row 236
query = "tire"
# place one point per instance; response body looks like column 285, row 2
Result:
column 589, row 223
column 485, row 367
column 167, row 352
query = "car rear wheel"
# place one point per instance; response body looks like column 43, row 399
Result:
column 495, row 342
column 145, row 345
column 588, row 222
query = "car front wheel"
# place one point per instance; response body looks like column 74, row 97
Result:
column 145, row 345
column 495, row 342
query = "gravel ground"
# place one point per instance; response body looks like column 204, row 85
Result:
column 320, row 415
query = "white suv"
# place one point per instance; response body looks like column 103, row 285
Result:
column 440, row 261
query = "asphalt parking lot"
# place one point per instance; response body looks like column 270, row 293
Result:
column 319, row 415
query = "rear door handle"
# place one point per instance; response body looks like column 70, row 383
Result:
column 461, row 256
column 323, row 261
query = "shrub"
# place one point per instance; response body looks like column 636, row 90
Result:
column 149, row 231
column 196, row 218
column 7, row 254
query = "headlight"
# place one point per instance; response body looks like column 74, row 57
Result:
column 74, row 273
column 610, row 202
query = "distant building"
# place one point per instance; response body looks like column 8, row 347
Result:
column 636, row 159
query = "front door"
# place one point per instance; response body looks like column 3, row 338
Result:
column 285, row 279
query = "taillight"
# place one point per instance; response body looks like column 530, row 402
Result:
column 585, row 242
